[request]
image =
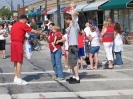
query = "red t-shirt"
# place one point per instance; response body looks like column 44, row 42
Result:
column 51, row 36
column 59, row 35
column 80, row 41
column 18, row 31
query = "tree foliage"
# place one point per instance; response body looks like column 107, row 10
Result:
column 5, row 12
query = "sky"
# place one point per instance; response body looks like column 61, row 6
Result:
column 16, row 2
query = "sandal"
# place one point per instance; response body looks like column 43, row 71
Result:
column 88, row 68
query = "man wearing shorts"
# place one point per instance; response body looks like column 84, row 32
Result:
column 18, row 32
column 73, row 48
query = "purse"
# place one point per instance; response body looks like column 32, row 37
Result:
column 5, row 35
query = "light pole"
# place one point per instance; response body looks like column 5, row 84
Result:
column 23, row 6
column 58, row 13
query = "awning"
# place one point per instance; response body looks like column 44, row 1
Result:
column 51, row 11
column 44, row 12
column 60, row 9
column 34, row 14
column 95, row 5
column 40, row 12
column 80, row 7
column 66, row 9
column 29, row 14
column 113, row 4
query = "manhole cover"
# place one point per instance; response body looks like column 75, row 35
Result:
column 92, row 76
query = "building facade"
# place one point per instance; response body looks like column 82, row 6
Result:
column 22, row 10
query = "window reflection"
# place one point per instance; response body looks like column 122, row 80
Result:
column 131, row 19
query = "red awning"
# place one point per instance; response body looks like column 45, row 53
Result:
column 43, row 13
column 66, row 9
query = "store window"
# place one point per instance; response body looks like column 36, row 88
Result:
column 116, row 16
column 126, row 19
column 121, row 14
column 107, row 13
column 131, row 19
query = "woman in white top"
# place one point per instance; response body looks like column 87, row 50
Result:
column 3, row 34
column 118, row 44
column 94, row 49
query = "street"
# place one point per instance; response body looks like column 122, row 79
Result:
column 95, row 84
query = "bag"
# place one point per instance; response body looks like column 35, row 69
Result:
column 5, row 35
column 28, row 49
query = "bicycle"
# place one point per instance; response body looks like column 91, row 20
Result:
column 126, row 39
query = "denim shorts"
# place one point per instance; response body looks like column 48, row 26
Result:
column 94, row 49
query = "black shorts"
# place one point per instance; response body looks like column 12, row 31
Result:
column 2, row 44
column 73, row 56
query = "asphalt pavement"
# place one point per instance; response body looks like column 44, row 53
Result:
column 95, row 84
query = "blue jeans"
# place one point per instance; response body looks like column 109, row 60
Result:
column 56, row 61
column 118, row 60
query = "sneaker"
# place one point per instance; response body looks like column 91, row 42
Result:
column 55, row 50
column 15, row 79
column 59, row 79
column 69, row 70
column 117, row 65
column 70, row 79
column 21, row 82
column 54, row 77
column 66, row 66
column 74, row 81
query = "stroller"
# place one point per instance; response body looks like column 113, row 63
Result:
column 35, row 42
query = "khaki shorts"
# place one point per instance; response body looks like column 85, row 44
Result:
column 72, row 56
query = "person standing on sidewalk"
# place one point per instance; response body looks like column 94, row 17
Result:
column 107, row 39
column 73, row 47
column 3, row 34
column 55, row 56
column 118, row 44
column 18, row 32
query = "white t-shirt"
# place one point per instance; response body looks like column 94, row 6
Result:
column 118, row 43
column 87, row 31
column 95, row 40
column 76, row 17
column 49, row 24
column 1, row 35
column 66, row 42
column 10, row 26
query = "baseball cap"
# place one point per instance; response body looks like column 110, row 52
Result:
column 23, row 17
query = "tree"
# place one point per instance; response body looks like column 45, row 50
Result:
column 5, row 12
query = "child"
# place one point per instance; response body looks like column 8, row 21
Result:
column 57, row 36
column 81, row 47
column 73, row 11
column 66, row 52
column 118, row 44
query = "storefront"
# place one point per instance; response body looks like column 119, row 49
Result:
column 94, row 12
column 120, row 11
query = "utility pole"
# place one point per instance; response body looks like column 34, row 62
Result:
column 46, row 6
column 11, row 9
column 23, row 6
column 58, row 13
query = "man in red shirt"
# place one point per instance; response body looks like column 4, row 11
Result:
column 18, row 32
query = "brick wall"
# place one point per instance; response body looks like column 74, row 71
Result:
column 20, row 10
